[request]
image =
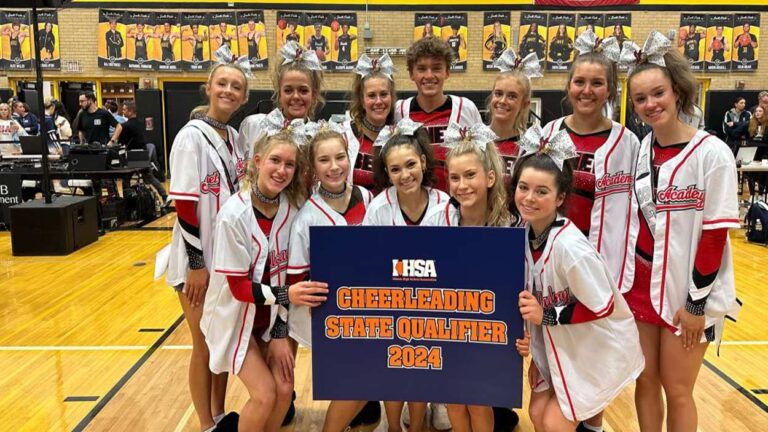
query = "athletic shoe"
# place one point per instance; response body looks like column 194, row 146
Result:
column 406, row 416
column 291, row 412
column 370, row 414
column 440, row 420
column 504, row 419
column 228, row 423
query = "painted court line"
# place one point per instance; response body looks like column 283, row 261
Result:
column 184, row 419
column 753, row 343
column 92, row 347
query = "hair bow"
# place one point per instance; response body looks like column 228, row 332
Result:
column 588, row 42
column 275, row 122
column 292, row 52
column 224, row 55
column 653, row 51
column 311, row 129
column 559, row 147
column 509, row 61
column 479, row 135
column 366, row 66
column 405, row 127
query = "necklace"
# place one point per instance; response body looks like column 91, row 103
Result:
column 212, row 122
column 331, row 195
column 541, row 238
column 263, row 198
column 372, row 127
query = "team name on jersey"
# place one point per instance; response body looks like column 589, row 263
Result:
column 211, row 184
column 278, row 259
column 436, row 132
column 413, row 269
column 613, row 183
column 555, row 299
column 240, row 167
column 673, row 198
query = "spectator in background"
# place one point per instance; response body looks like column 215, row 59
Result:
column 10, row 130
column 696, row 120
column 133, row 138
column 762, row 101
column 758, row 125
column 111, row 106
column 735, row 123
column 56, row 110
column 26, row 119
column 93, row 123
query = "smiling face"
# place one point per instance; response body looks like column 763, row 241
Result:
column 507, row 98
column 588, row 89
column 226, row 91
column 276, row 168
column 331, row 164
column 295, row 94
column 537, row 198
column 405, row 168
column 653, row 98
column 377, row 100
column 469, row 182
column 5, row 112
column 429, row 75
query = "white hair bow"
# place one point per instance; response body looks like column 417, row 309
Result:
column 559, row 147
column 275, row 123
column 588, row 42
column 652, row 52
column 509, row 60
column 479, row 135
column 405, row 127
column 292, row 52
column 311, row 129
column 224, row 55
column 366, row 66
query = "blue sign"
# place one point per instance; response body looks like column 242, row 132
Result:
column 419, row 314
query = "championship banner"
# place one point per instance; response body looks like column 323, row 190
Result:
column 167, row 52
column 426, row 25
column 719, row 42
column 290, row 27
column 620, row 27
column 691, row 38
column 16, row 40
column 436, row 321
column 140, row 35
column 111, row 39
column 195, row 45
column 533, row 34
column 344, row 47
column 222, row 29
column 317, row 34
column 594, row 22
column 454, row 32
column 252, row 38
column 496, row 36
column 561, row 31
column 746, row 33
column 48, row 41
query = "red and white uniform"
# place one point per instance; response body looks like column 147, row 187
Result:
column 587, row 363
column 600, row 205
column 509, row 151
column 456, row 109
column 315, row 212
column 197, row 161
column 385, row 210
column 444, row 214
column 241, row 249
column 252, row 129
column 696, row 192
column 360, row 150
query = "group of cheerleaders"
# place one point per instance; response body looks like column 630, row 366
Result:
column 628, row 268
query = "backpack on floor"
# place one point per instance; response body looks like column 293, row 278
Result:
column 757, row 222
column 140, row 203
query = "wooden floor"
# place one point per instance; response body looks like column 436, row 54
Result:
column 91, row 342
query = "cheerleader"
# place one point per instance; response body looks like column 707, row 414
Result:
column 576, row 370
column 245, row 315
column 370, row 111
column 683, row 204
column 496, row 42
column 562, row 46
column 206, row 168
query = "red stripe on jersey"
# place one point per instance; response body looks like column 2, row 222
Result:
column 448, row 214
column 389, row 200
column 602, row 207
column 301, row 267
column 461, row 106
column 195, row 195
column 554, row 239
column 277, row 239
column 256, row 259
column 717, row 221
column 323, row 211
column 560, row 370
column 666, row 230
column 240, row 337
column 231, row 272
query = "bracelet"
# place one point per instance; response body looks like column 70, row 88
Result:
column 695, row 308
column 550, row 317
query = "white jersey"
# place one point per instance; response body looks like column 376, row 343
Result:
column 252, row 129
column 202, row 170
column 353, row 148
column 385, row 209
column 696, row 191
column 587, row 364
column 613, row 167
column 241, row 249
column 444, row 214
column 315, row 212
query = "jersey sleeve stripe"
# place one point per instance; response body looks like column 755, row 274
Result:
column 718, row 221
column 606, row 310
column 298, row 267
column 184, row 194
column 229, row 272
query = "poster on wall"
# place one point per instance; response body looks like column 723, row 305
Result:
column 454, row 32
column 290, row 27
column 561, row 32
column 222, row 29
column 111, row 39
column 344, row 47
column 717, row 57
column 533, row 34
column 620, row 27
column 195, row 54
column 16, row 36
column 140, row 38
column 426, row 25
column 594, row 22
column 496, row 36
column 746, row 34
column 48, row 40
column 251, row 38
column 691, row 37
column 317, row 35
column 167, row 52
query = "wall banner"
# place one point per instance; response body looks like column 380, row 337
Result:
column 561, row 32
column 344, row 47
column 533, row 34
column 497, row 35
column 195, row 43
column 746, row 34
column 252, row 38
column 691, row 38
column 48, row 41
column 111, row 39
column 141, row 41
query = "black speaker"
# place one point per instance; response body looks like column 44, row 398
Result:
column 5, row 94
column 59, row 228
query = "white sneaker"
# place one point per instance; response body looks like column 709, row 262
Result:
column 440, row 420
column 406, row 415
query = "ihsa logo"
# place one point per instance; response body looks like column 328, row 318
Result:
column 413, row 269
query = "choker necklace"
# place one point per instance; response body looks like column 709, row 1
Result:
column 263, row 198
column 212, row 122
column 372, row 127
column 541, row 238
column 331, row 195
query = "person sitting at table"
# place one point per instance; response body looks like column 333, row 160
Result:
column 758, row 126
column 735, row 123
column 133, row 138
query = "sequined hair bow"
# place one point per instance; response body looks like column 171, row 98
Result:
column 405, row 127
column 366, row 66
column 588, row 42
column 528, row 65
column 224, row 55
column 276, row 123
column 292, row 52
column 479, row 135
column 559, row 147
column 652, row 52
column 311, row 129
